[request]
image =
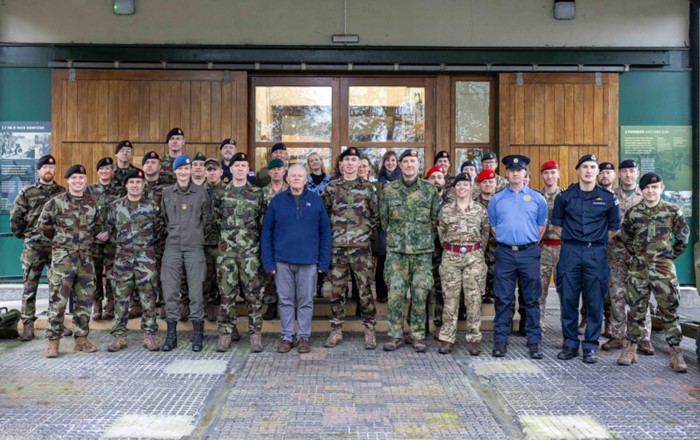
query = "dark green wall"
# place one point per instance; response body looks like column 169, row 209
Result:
column 660, row 98
column 25, row 95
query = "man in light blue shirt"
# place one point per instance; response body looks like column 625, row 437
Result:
column 518, row 216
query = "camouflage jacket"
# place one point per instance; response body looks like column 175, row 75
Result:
column 353, row 209
column 26, row 209
column 490, row 253
column 188, row 216
column 105, row 195
column 118, row 174
column 216, row 192
column 134, row 226
column 239, row 216
column 550, row 233
column 616, row 248
column 459, row 228
column 71, row 224
column 409, row 212
column 269, row 192
column 500, row 185
column 167, row 175
column 154, row 191
column 656, row 233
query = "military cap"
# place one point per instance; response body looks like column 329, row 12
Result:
column 648, row 179
column 148, row 156
column 104, row 162
column 240, row 157
column 199, row 157
column 121, row 145
column 549, row 165
column 485, row 174
column 516, row 162
column 605, row 166
column 408, row 152
column 133, row 174
column 45, row 160
column 628, row 163
column 462, row 177
column 352, row 151
column 174, row 132
column 489, row 156
column 466, row 163
column 275, row 163
column 212, row 163
column 278, row 146
column 75, row 169
column 227, row 141
column 181, row 160
column 440, row 155
column 587, row 158
column 435, row 169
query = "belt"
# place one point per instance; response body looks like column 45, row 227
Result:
column 461, row 249
column 584, row 243
column 520, row 247
column 551, row 242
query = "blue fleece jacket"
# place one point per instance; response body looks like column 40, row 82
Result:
column 296, row 232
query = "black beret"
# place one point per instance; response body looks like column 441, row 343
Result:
column 278, row 146
column 587, row 158
column 489, row 156
column 75, row 169
column 648, row 179
column 462, row 177
column 134, row 173
column 408, row 152
column 227, row 141
column 104, row 162
column 45, row 160
column 148, row 156
column 440, row 155
column 352, row 151
column 199, row 157
column 121, row 145
column 174, row 132
column 605, row 166
column 516, row 161
column 628, row 163
column 466, row 163
column 239, row 157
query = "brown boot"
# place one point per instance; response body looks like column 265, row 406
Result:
column 117, row 344
column 677, row 362
column 82, row 344
column 334, row 338
column 184, row 313
column 52, row 349
column 646, row 348
column 211, row 312
column 161, row 312
column 96, row 310
column 256, row 342
column 108, row 311
column 135, row 311
column 629, row 354
column 370, row 339
column 150, row 342
column 235, row 336
column 613, row 344
column 224, row 343
column 445, row 347
column 474, row 348
column 28, row 331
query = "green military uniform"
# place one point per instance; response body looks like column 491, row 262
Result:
column 353, row 209
column 36, row 252
column 549, row 254
column 167, row 175
column 211, row 250
column 71, row 223
column 408, row 213
column 500, row 184
column 118, row 174
column 153, row 190
column 239, row 214
column 464, row 236
column 134, row 228
column 269, row 286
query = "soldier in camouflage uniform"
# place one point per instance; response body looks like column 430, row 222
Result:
column 124, row 151
column 489, row 161
column 104, row 192
column 551, row 241
column 239, row 214
column 153, row 190
column 353, row 209
column 409, row 210
column 36, row 252
column 278, row 151
column 277, row 184
column 628, row 194
column 216, row 189
column 442, row 158
column 176, row 143
column 134, row 224
column 486, row 181
column 655, row 234
column 437, row 177
column 72, row 222
column 463, row 227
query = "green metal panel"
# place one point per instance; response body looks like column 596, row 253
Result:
column 660, row 98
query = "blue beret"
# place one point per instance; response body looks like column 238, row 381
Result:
column 181, row 160
column 516, row 162
column 587, row 158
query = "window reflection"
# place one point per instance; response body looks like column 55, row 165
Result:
column 386, row 114
column 293, row 114
column 472, row 112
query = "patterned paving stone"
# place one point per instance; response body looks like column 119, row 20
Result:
column 563, row 427
column 150, row 426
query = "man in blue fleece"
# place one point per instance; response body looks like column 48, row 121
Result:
column 296, row 246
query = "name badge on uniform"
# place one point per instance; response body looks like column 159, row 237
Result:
column 184, row 206
column 527, row 197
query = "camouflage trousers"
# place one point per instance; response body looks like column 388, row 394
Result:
column 617, row 288
column 462, row 272
column 403, row 272
column 357, row 261
column 437, row 285
column 549, row 257
column 211, row 285
column 103, row 259
column 490, row 258
column 73, row 274
column 134, row 272
column 34, row 258
column 238, row 275
column 269, row 289
column 659, row 278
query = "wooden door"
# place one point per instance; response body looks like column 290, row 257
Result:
column 92, row 110
column 558, row 117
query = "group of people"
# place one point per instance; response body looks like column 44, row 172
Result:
column 192, row 233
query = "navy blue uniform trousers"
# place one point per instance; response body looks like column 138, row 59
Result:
column 582, row 268
column 510, row 266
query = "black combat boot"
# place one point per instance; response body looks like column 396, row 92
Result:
column 171, row 336
column 197, row 334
